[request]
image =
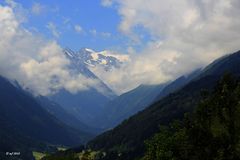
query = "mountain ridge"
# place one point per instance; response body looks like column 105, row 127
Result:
column 127, row 138
column 81, row 104
column 23, row 113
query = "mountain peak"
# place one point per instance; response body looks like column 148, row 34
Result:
column 89, row 50
column 91, row 59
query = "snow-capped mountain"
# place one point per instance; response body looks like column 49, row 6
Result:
column 84, row 105
column 91, row 58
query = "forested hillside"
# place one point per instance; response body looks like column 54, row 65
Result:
column 210, row 133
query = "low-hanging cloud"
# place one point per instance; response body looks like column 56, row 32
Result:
column 36, row 63
column 184, row 35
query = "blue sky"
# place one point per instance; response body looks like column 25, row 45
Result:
column 77, row 23
column 166, row 39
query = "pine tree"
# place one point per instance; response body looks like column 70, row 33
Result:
column 212, row 132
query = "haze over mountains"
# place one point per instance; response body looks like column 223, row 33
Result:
column 78, row 114
column 78, row 118
column 46, row 122
column 81, row 103
column 158, row 105
column 25, row 124
column 128, row 138
column 155, row 80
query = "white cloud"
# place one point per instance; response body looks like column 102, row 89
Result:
column 53, row 28
column 50, row 73
column 184, row 35
column 107, row 3
column 11, row 3
column 37, row 8
column 20, row 12
column 36, row 63
column 78, row 29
